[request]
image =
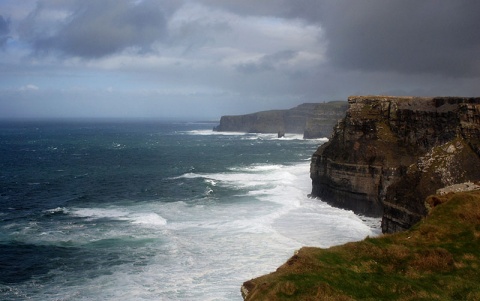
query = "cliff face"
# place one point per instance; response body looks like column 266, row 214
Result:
column 314, row 120
column 260, row 122
column 389, row 153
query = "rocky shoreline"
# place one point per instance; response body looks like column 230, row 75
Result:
column 387, row 157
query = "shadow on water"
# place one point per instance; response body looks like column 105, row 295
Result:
column 21, row 262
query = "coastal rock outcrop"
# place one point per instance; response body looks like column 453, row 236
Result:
column 389, row 153
column 314, row 120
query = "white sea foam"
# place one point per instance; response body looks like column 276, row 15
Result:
column 57, row 210
column 205, row 249
column 257, row 168
column 200, row 243
column 97, row 213
column 142, row 218
column 211, row 182
column 272, row 136
column 212, row 132
column 148, row 219
column 252, row 177
column 255, row 136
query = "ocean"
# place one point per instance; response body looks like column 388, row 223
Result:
column 112, row 210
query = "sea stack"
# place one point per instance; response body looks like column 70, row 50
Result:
column 389, row 153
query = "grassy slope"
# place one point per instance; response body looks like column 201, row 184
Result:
column 438, row 259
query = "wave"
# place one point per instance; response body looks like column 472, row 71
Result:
column 257, row 168
column 201, row 250
column 254, row 136
column 212, row 132
column 140, row 218
column 56, row 210
column 148, row 219
column 287, row 186
column 251, row 177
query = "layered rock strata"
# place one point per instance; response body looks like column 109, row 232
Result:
column 389, row 153
column 314, row 120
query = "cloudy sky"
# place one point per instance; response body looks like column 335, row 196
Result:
column 200, row 59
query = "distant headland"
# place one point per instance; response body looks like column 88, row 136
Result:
column 313, row 120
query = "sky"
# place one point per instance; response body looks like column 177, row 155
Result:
column 201, row 59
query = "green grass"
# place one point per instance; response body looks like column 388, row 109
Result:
column 438, row 259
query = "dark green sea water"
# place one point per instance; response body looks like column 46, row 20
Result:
column 153, row 211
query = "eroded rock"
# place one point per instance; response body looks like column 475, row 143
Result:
column 389, row 153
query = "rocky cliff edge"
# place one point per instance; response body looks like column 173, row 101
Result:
column 389, row 153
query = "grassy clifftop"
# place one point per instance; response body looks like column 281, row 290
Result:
column 437, row 259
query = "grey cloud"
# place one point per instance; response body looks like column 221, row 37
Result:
column 405, row 47
column 194, row 34
column 405, row 36
column 95, row 29
column 4, row 31
column 252, row 7
column 408, row 36
column 267, row 62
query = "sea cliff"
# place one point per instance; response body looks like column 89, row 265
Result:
column 314, row 120
column 415, row 162
column 389, row 153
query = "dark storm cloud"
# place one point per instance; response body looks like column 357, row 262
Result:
column 4, row 31
column 91, row 28
column 406, row 36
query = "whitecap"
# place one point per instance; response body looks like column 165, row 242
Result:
column 148, row 219
column 212, row 132
column 274, row 136
column 211, row 182
column 208, row 191
column 118, row 145
column 254, row 136
column 140, row 218
column 257, row 168
column 291, row 137
column 98, row 213
column 188, row 175
column 56, row 210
